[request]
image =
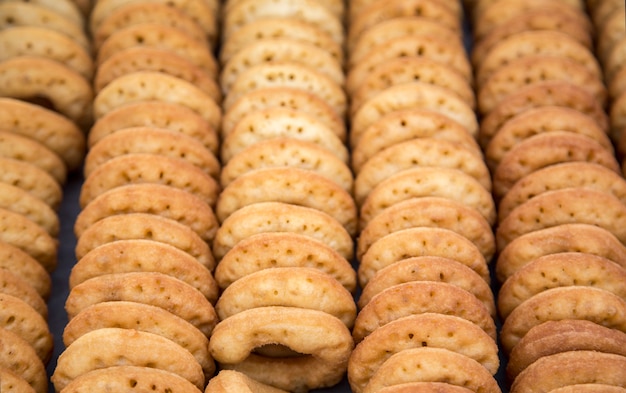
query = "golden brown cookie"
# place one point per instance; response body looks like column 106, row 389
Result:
column 19, row 357
column 229, row 380
column 18, row 200
column 12, row 382
column 14, row 285
column 66, row 8
column 32, row 179
column 26, row 268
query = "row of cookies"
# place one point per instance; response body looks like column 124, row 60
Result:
column 560, row 195
column 286, row 212
column 142, row 290
column 43, row 104
column 426, row 310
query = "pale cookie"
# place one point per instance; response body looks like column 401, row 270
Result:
column 425, row 46
column 138, row 255
column 272, row 123
column 289, row 185
column 145, row 226
column 143, row 317
column 130, row 378
column 572, row 24
column 284, row 97
column 610, row 32
column 430, row 330
column 157, row 114
column 429, row 268
column 560, row 270
column 247, row 11
column 423, row 387
column 413, row 95
column 564, row 175
column 571, row 368
column 336, row 7
column 183, row 300
column 419, row 152
column 290, row 75
column 420, row 242
column 162, row 200
column 430, row 212
column 125, row 347
column 479, row 6
column 153, row 35
column 576, row 237
column 14, row 285
column 20, row 318
column 421, row 297
column 279, row 27
column 234, row 381
column 529, row 70
column 548, row 93
column 397, row 27
column 289, row 152
column 380, row 11
column 135, row 168
column 44, row 42
column 589, row 387
column 25, row 268
column 19, row 357
column 50, row 128
column 428, row 181
column 134, row 13
column 281, row 50
column 12, row 382
column 552, row 337
column 140, row 58
column 300, row 287
column 19, row 231
column 533, row 43
column 321, row 341
column 141, row 86
column 357, row 6
column 150, row 140
column 203, row 12
column 68, row 92
column 574, row 302
column 22, row 148
column 408, row 69
column 539, row 120
column 282, row 249
column 568, row 205
column 27, row 14
column 66, row 8
column 18, row 200
column 545, row 149
column 404, row 125
column 282, row 217
column 32, row 179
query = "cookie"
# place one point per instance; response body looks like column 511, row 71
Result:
column 419, row 242
column 32, row 179
column 11, row 381
column 281, row 217
column 229, row 380
column 26, row 268
column 336, row 7
column 46, row 126
column 66, row 8
column 157, row 114
column 19, row 357
column 289, row 152
column 428, row 268
column 611, row 31
column 125, row 256
column 289, row 185
column 145, row 226
column 18, row 200
column 404, row 125
column 69, row 93
column 617, row 116
column 272, row 123
column 14, row 285
column 20, row 318
column 282, row 249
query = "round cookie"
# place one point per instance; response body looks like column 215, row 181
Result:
column 565, row 206
column 358, row 6
column 288, row 152
column 404, row 125
column 14, row 285
column 19, row 357
column 26, row 268
column 420, row 297
column 337, row 8
column 282, row 217
column 66, row 8
column 423, row 387
column 18, row 200
column 32, row 179
column 430, row 330
column 10, row 381
column 282, row 249
column 145, row 226
column 126, row 347
column 429, row 268
column 138, row 255
column 229, row 380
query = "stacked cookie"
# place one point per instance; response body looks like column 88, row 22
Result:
column 286, row 212
column 142, row 290
column 426, row 311
column 46, row 68
column 560, row 195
